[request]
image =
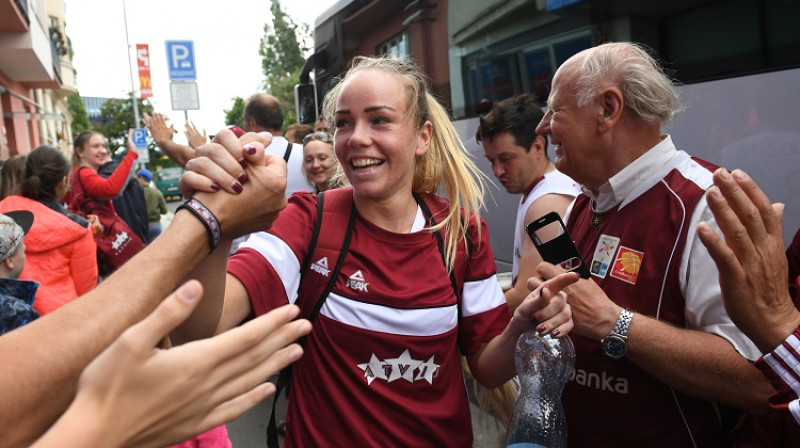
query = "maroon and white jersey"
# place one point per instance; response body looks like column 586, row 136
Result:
column 782, row 367
column 382, row 364
column 639, row 239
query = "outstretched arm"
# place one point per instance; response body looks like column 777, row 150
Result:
column 545, row 308
column 530, row 256
column 180, row 154
column 136, row 395
column 38, row 388
column 241, row 168
column 752, row 266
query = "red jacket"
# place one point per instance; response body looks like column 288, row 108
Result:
column 60, row 254
column 101, row 188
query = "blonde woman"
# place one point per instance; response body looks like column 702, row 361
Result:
column 382, row 366
column 319, row 162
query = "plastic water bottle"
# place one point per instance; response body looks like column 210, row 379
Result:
column 544, row 365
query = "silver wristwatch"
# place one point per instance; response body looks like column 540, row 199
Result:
column 615, row 345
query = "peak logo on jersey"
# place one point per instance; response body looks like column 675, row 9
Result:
column 356, row 282
column 403, row 367
column 627, row 265
column 321, row 266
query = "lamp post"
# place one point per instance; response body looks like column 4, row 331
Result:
column 130, row 68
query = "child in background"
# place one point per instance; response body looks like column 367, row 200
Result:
column 16, row 296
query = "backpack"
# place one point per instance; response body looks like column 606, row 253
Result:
column 336, row 211
column 117, row 242
column 129, row 204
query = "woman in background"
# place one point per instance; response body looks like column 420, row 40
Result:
column 61, row 254
column 91, row 151
column 11, row 175
column 319, row 162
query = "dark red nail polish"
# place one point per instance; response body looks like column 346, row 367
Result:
column 237, row 187
column 215, row 186
column 242, row 161
column 250, row 149
column 243, row 178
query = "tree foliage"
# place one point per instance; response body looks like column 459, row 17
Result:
column 282, row 49
column 118, row 115
column 233, row 117
column 80, row 118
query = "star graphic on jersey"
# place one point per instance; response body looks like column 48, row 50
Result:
column 373, row 369
column 403, row 367
column 427, row 370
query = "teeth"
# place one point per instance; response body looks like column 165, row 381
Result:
column 360, row 163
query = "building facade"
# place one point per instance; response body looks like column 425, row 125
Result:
column 36, row 76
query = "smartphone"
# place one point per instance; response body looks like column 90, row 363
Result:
column 552, row 240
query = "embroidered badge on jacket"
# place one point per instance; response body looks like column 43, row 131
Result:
column 627, row 265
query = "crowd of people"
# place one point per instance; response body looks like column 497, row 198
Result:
column 368, row 228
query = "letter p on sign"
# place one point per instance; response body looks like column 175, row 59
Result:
column 180, row 60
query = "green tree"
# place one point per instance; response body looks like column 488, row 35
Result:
column 80, row 119
column 233, row 117
column 118, row 114
column 282, row 49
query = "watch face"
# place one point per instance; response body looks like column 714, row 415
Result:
column 615, row 347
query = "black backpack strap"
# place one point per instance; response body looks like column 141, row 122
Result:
column 339, row 215
column 440, row 242
column 288, row 152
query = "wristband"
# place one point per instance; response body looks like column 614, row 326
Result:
column 207, row 218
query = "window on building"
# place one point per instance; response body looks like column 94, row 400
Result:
column 522, row 68
column 747, row 36
column 396, row 47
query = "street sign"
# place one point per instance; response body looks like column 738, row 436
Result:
column 143, row 61
column 139, row 138
column 184, row 95
column 180, row 60
column 140, row 142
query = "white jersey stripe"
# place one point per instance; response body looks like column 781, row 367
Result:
column 794, row 408
column 481, row 296
column 281, row 257
column 373, row 317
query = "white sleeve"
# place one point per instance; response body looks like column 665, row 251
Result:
column 705, row 309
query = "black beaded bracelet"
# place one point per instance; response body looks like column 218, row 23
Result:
column 207, row 218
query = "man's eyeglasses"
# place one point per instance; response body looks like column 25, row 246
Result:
column 323, row 137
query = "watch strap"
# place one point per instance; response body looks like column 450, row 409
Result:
column 623, row 323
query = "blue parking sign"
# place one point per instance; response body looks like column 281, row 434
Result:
column 180, row 60
column 140, row 138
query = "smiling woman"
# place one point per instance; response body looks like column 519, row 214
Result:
column 415, row 290
column 319, row 162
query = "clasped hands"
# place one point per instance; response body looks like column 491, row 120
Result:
column 237, row 181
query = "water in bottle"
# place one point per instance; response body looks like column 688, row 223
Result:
column 544, row 365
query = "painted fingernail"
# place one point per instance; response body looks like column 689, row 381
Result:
column 541, row 328
column 243, row 178
column 215, row 186
column 250, row 149
column 555, row 333
column 237, row 187
column 242, row 161
column 724, row 174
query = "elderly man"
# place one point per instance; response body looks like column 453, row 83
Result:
column 656, row 350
